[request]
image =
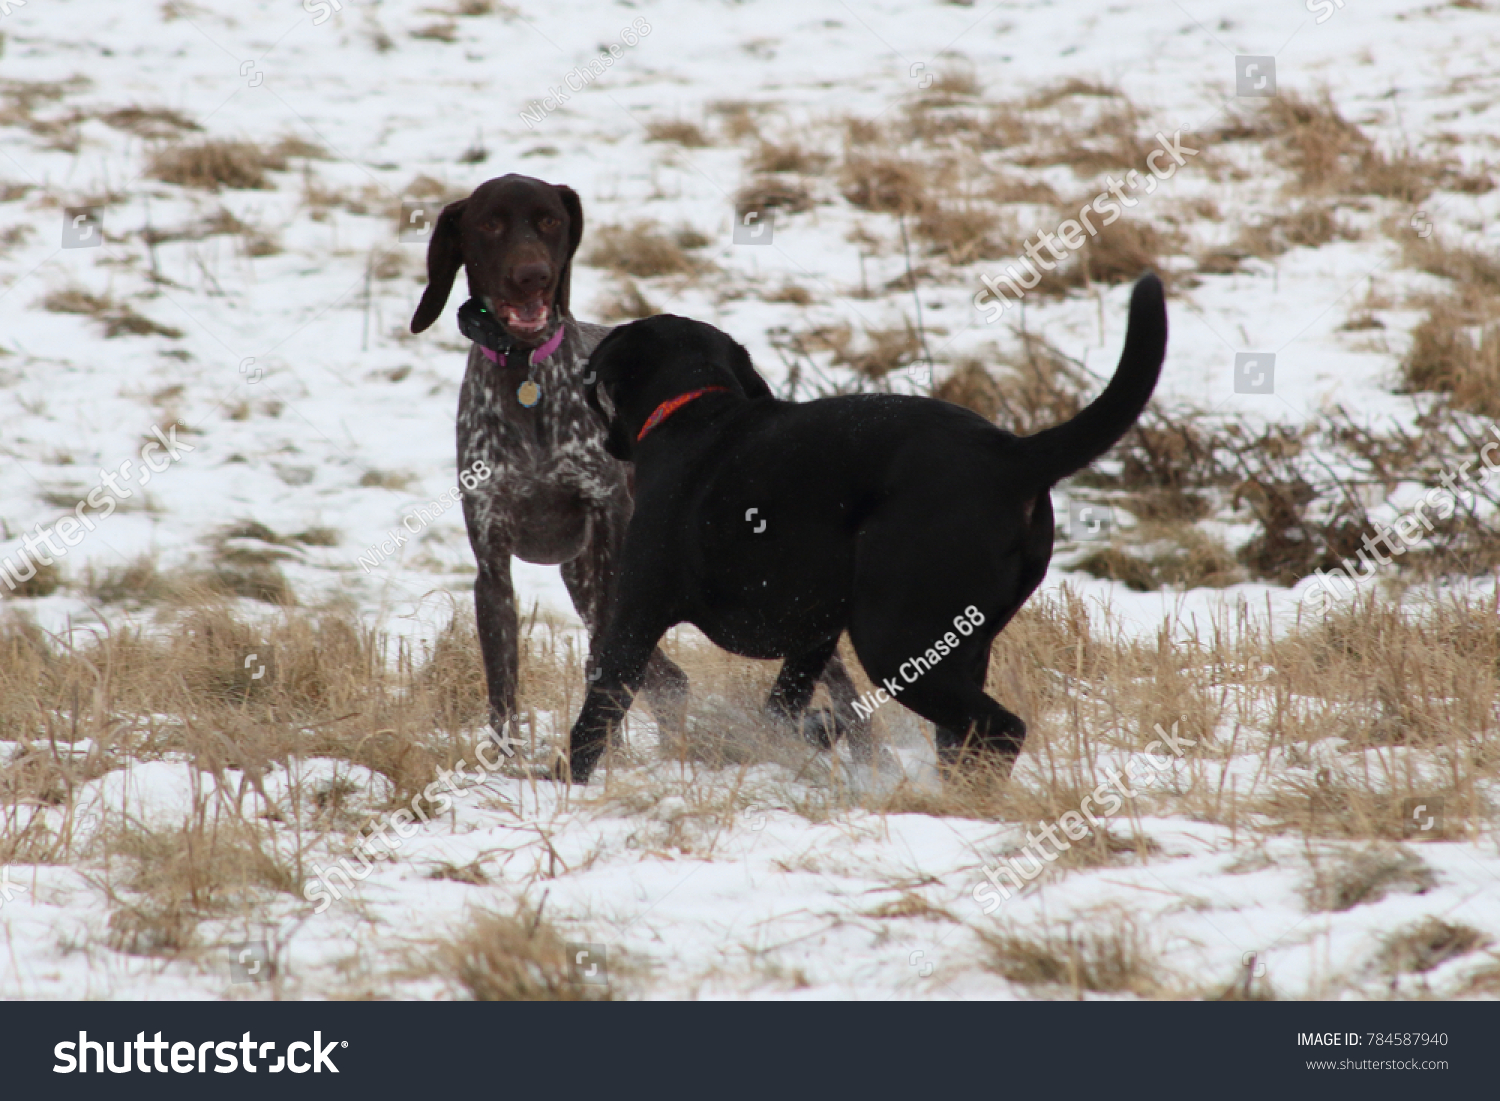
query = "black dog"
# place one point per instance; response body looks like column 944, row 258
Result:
column 915, row 525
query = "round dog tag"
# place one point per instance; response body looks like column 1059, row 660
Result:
column 529, row 394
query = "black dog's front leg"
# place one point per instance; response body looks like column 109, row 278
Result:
column 590, row 579
column 621, row 669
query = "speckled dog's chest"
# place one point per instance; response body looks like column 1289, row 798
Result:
column 548, row 464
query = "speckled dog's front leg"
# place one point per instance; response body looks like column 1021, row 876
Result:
column 498, row 626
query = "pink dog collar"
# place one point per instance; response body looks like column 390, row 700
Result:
column 537, row 354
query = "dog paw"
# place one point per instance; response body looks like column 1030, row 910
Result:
column 564, row 773
column 821, row 728
column 875, row 770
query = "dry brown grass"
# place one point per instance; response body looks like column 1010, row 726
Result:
column 646, row 251
column 1159, row 556
column 243, row 560
column 1475, row 272
column 12, row 236
column 947, row 125
column 790, row 293
column 151, row 123
column 1016, row 189
column 355, row 694
column 873, row 353
column 117, row 318
column 45, row 579
column 886, row 184
column 1455, row 350
column 136, row 582
column 965, row 232
column 369, row 198
column 162, row 882
column 737, row 117
column 1039, row 386
column 255, row 240
column 1311, row 226
column 1352, row 687
column 971, row 385
column 1307, row 514
column 247, row 571
column 1428, row 944
column 955, row 81
column 770, row 158
column 443, row 31
column 512, row 958
column 772, row 193
column 216, row 163
column 627, row 302
column 1120, row 961
column 677, row 132
column 1328, row 154
column 1353, row 879
column 1365, row 678
column 34, row 106
column 385, row 479
column 1113, row 141
column 1119, row 253
column 1053, row 94
column 468, row 9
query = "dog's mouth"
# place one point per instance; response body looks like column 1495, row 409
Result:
column 525, row 319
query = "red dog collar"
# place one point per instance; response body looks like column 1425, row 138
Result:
column 670, row 406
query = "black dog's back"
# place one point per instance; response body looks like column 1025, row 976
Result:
column 793, row 502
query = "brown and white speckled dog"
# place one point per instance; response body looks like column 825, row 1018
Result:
column 555, row 495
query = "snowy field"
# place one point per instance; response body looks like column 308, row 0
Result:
column 268, row 324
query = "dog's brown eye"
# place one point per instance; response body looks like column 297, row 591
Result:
column 491, row 225
column 548, row 223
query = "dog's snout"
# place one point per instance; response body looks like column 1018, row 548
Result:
column 532, row 276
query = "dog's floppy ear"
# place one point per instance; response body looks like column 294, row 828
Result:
column 574, row 208
column 745, row 372
column 616, row 436
column 617, row 441
column 445, row 255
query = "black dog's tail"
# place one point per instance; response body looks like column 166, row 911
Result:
column 1054, row 453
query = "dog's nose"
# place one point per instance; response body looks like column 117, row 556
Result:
column 532, row 276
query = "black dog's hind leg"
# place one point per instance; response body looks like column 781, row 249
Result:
column 794, row 689
column 847, row 722
column 971, row 727
column 497, row 623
